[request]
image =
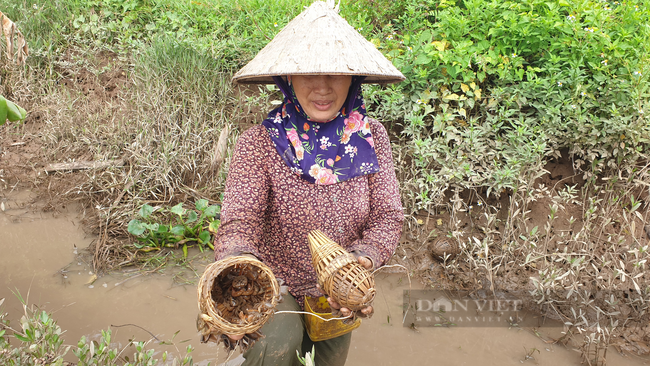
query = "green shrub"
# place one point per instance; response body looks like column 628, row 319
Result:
column 533, row 76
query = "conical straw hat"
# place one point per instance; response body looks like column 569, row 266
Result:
column 318, row 41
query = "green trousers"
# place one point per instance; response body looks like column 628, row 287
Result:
column 286, row 333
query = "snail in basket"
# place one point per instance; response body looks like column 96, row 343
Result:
column 236, row 295
column 341, row 276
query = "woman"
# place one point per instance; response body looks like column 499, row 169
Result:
column 317, row 162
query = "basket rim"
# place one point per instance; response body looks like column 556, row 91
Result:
column 206, row 306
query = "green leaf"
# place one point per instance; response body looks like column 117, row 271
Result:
column 3, row 110
column 136, row 227
column 44, row 317
column 425, row 36
column 178, row 209
column 204, row 237
column 192, row 216
column 21, row 338
column 14, row 112
column 422, row 59
column 29, row 332
column 214, row 226
column 184, row 250
column 212, row 211
column 520, row 74
column 146, row 211
column 162, row 229
column 178, row 230
column 201, row 204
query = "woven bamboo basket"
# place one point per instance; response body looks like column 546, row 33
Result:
column 339, row 273
column 214, row 317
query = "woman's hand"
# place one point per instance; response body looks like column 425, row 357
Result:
column 235, row 338
column 365, row 262
column 367, row 310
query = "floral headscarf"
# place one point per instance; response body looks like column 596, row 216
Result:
column 323, row 152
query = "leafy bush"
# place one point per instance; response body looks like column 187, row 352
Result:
column 494, row 87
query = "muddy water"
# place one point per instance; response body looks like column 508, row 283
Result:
column 39, row 258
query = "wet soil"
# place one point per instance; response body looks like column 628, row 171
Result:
column 41, row 260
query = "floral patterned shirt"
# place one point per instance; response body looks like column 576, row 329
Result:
column 268, row 210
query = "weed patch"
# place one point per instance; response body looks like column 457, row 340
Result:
column 186, row 227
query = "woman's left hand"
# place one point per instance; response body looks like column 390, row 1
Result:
column 366, row 311
column 365, row 262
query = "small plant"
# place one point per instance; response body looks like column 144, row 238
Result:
column 185, row 227
column 40, row 337
column 308, row 360
column 530, row 354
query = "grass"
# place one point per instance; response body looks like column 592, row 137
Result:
column 149, row 82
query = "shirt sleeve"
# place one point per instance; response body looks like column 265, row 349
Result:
column 384, row 228
column 245, row 198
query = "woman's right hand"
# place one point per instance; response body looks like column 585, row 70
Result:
column 235, row 338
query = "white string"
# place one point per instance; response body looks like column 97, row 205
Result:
column 313, row 314
column 391, row 265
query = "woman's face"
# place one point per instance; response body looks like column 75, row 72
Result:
column 321, row 96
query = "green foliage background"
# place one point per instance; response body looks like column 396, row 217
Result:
column 495, row 87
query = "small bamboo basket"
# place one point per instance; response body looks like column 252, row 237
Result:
column 211, row 321
column 339, row 273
